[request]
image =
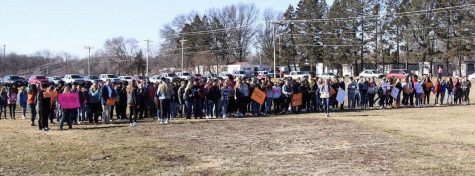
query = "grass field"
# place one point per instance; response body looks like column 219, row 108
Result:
column 424, row 141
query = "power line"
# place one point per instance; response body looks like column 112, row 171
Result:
column 400, row 14
column 177, row 35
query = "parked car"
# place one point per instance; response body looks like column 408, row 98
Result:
column 54, row 79
column 14, row 80
column 139, row 78
column 327, row 76
column 92, row 79
column 263, row 75
column 38, row 79
column 297, row 75
column 126, row 78
column 155, row 78
column 170, row 76
column 73, row 78
column 471, row 77
column 240, row 73
column 224, row 75
column 113, row 78
column 399, row 73
column 371, row 74
column 184, row 75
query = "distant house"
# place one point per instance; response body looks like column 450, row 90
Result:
column 238, row 66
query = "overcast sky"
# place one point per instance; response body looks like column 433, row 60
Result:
column 27, row 26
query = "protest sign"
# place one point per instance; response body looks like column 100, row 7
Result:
column 297, row 99
column 258, row 96
column 69, row 100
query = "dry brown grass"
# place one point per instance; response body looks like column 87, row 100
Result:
column 426, row 141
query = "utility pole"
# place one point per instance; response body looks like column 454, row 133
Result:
column 89, row 59
column 273, row 43
column 182, row 41
column 148, row 54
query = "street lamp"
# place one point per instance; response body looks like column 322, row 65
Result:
column 182, row 52
column 148, row 54
column 89, row 59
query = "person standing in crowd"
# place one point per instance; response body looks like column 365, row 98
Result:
column 342, row 86
column 108, row 99
column 82, row 111
column 287, row 93
column 325, row 96
column 318, row 98
column 352, row 91
column 226, row 91
column 53, row 95
column 466, row 85
column 32, row 91
column 174, row 99
column 449, row 91
column 140, row 100
column 408, row 89
column 383, row 93
column 398, row 85
column 188, row 98
column 94, row 103
column 3, row 101
column 207, row 103
column 44, row 107
column 457, row 91
column 437, row 87
column 440, row 71
column 277, row 92
column 67, row 113
column 313, row 91
column 372, row 91
column 419, row 88
column 152, row 92
column 363, row 90
column 195, row 92
column 131, row 103
column 23, row 98
column 181, row 100
column 164, row 94
column 121, row 106
column 12, row 95
column 242, row 97
column 255, row 107
column 269, row 97
column 214, row 97
column 428, row 85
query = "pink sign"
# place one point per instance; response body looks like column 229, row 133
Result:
column 69, row 100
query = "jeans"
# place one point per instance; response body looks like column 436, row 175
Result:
column 188, row 106
column 12, row 108
column 224, row 107
column 326, row 102
column 418, row 99
column 450, row 98
column 269, row 104
column 106, row 112
column 255, row 108
column 165, row 109
column 66, row 118
column 371, row 100
column 197, row 108
column 133, row 114
column 427, row 97
column 318, row 103
column 94, row 112
column 382, row 100
column 173, row 109
column 3, row 110
column 363, row 102
column 43, row 120
column 33, row 113
column 82, row 111
column 351, row 100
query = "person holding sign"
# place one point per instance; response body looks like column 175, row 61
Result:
column 107, row 100
column 44, row 107
column 67, row 113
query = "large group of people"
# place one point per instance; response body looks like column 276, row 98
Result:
column 223, row 98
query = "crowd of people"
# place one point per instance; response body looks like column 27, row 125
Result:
column 223, row 98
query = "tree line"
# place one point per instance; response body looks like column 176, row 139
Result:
column 365, row 33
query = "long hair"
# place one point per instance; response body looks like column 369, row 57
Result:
column 163, row 88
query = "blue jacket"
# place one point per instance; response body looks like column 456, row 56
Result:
column 105, row 94
column 23, row 98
